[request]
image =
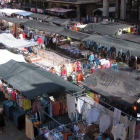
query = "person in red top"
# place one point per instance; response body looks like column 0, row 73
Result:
column 23, row 34
column 39, row 40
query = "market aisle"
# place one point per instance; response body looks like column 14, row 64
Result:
column 12, row 133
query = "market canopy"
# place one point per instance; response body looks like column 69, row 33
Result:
column 33, row 81
column 10, row 41
column 74, row 34
column 111, row 9
column 9, row 12
column 14, row 20
column 43, row 26
column 117, row 43
column 6, row 56
column 39, row 16
column 59, row 10
column 105, row 28
column 122, row 85
column 129, row 37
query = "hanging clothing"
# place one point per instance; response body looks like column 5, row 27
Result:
column 93, row 115
column 29, row 130
column 119, row 131
column 104, row 123
column 78, row 66
column 69, row 69
column 70, row 105
column 55, row 108
column 117, row 115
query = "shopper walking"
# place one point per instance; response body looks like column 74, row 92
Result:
column 2, row 121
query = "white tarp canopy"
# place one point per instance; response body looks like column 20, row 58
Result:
column 10, row 41
column 9, row 12
column 111, row 9
column 6, row 56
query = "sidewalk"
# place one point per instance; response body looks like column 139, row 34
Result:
column 12, row 133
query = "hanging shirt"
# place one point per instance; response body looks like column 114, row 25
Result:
column 104, row 123
column 70, row 105
column 77, row 66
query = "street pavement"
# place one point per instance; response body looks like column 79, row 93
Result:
column 12, row 133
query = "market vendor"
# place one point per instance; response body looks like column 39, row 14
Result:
column 104, row 136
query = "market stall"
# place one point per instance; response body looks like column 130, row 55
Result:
column 56, row 111
column 118, row 88
column 112, row 47
column 65, row 13
column 11, row 42
column 107, row 28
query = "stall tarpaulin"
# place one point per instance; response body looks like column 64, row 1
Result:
column 59, row 10
column 6, row 56
column 105, row 28
column 121, row 85
column 11, row 42
column 73, row 34
column 43, row 26
column 33, row 81
column 119, row 44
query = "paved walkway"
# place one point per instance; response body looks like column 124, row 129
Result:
column 12, row 133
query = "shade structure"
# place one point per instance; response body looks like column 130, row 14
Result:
column 43, row 26
column 6, row 56
column 39, row 16
column 10, row 41
column 105, row 28
column 14, row 20
column 59, row 10
column 9, row 12
column 32, row 81
column 73, row 34
column 111, row 9
column 121, row 85
column 58, row 21
column 129, row 37
column 117, row 43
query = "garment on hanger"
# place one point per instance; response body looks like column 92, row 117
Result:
column 70, row 105
column 119, row 131
column 104, row 123
column 92, row 115
column 117, row 115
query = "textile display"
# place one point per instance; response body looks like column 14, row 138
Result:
column 117, row 114
column 104, row 123
column 70, row 105
column 119, row 131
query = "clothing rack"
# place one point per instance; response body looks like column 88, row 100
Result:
column 89, row 104
column 104, row 103
column 57, row 122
